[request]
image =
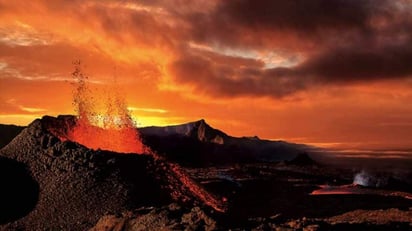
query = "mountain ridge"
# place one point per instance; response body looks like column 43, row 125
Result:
column 202, row 129
column 197, row 144
column 199, row 129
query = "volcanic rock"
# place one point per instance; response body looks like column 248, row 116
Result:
column 379, row 217
column 164, row 218
column 198, row 130
column 198, row 144
column 77, row 185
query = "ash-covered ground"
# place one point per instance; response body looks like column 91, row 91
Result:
column 49, row 184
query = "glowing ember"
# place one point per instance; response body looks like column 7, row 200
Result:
column 109, row 129
column 336, row 190
column 201, row 193
column 113, row 129
column 118, row 140
column 359, row 190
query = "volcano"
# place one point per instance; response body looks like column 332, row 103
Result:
column 189, row 176
column 72, row 185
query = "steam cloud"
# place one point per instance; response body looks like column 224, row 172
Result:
column 366, row 179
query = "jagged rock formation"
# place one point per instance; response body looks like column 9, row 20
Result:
column 197, row 143
column 198, row 130
column 76, row 185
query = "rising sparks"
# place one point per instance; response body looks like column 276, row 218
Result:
column 109, row 129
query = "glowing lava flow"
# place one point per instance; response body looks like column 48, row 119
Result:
column 336, row 190
column 114, row 130
column 201, row 193
column 119, row 140
column 358, row 190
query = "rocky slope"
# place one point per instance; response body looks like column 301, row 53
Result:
column 175, row 217
column 72, row 186
column 171, row 217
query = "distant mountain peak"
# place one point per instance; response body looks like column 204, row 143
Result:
column 205, row 133
column 196, row 124
column 198, row 129
column 202, row 121
column 252, row 137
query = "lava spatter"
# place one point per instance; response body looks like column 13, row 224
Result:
column 110, row 128
column 113, row 129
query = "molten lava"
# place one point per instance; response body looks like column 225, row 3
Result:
column 110, row 128
column 336, row 190
column 119, row 140
column 207, row 198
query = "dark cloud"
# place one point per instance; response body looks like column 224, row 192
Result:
column 291, row 24
column 341, row 41
column 299, row 15
column 227, row 79
column 360, row 64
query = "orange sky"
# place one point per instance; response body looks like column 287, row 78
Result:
column 326, row 72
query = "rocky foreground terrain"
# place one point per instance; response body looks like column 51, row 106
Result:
column 173, row 217
column 49, row 184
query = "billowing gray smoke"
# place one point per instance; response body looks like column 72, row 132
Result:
column 366, row 179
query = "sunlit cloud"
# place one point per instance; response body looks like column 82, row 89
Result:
column 330, row 78
column 155, row 110
column 11, row 106
column 18, row 119
column 14, row 73
column 32, row 109
column 21, row 34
